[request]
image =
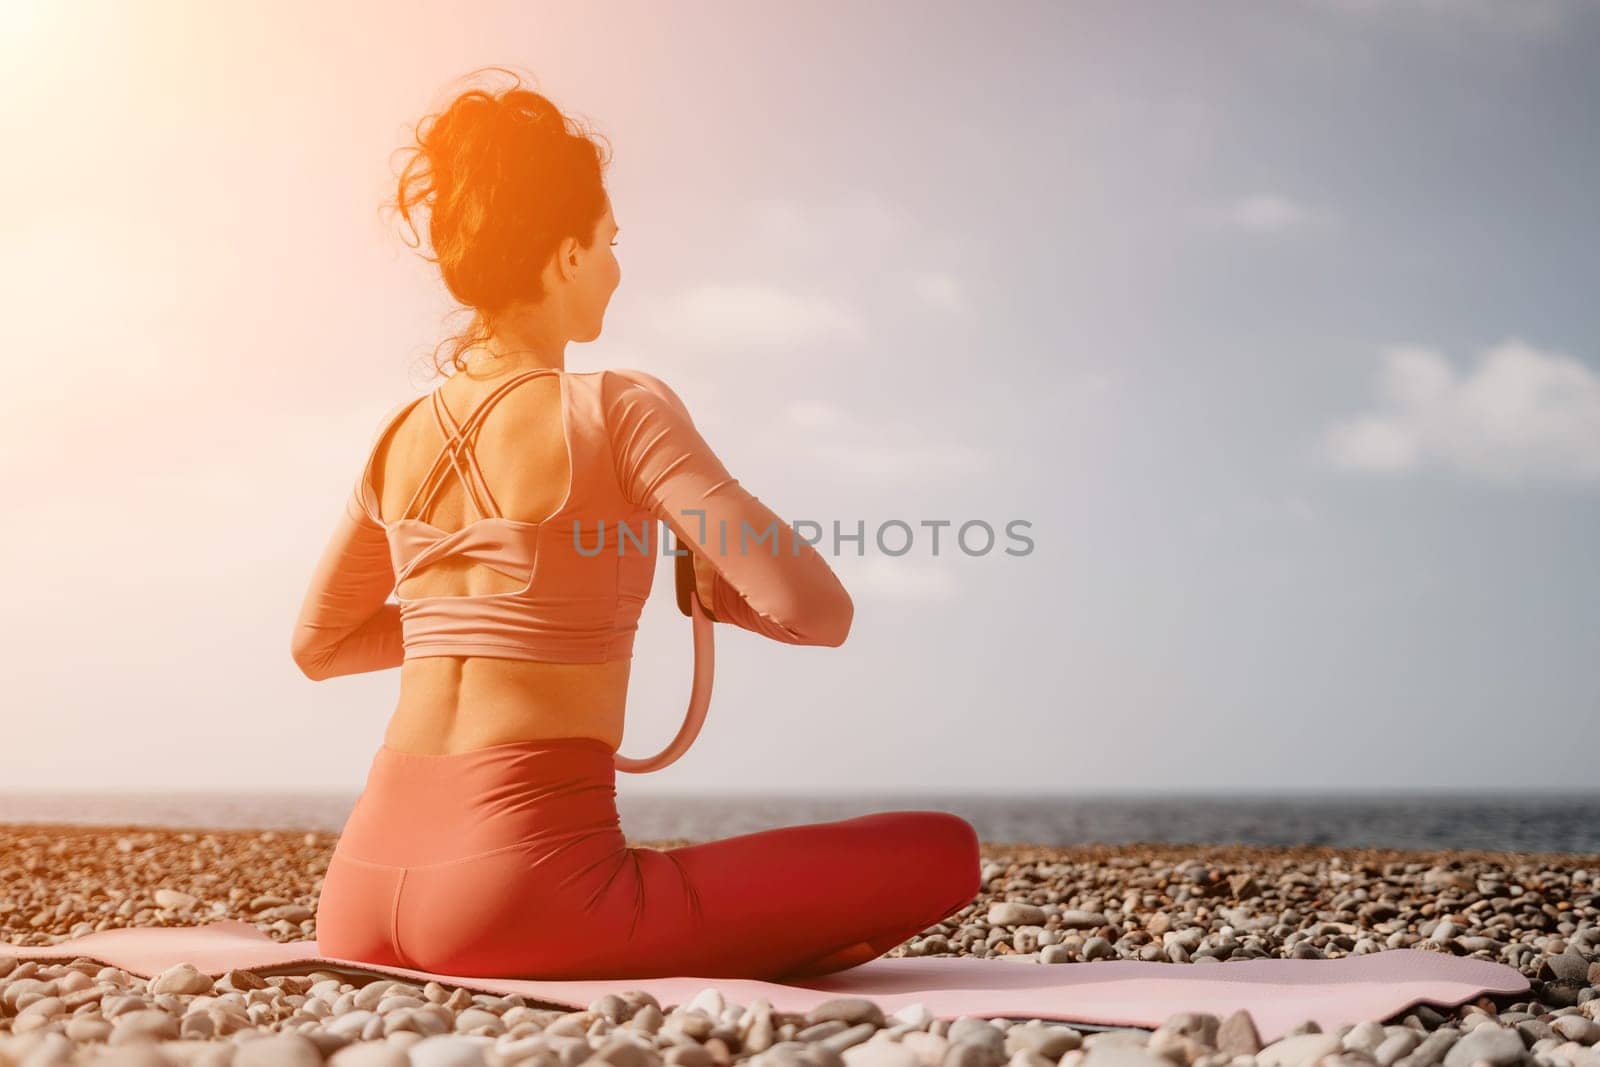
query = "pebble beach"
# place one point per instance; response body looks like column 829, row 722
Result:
column 1039, row 906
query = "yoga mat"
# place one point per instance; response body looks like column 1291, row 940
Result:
column 1278, row 993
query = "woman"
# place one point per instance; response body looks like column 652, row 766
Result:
column 486, row 841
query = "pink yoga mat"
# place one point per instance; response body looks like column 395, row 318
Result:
column 1278, row 993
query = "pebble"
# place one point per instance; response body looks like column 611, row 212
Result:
column 183, row 978
column 1577, row 1028
column 370, row 1054
column 849, row 1010
column 449, row 1050
column 146, row 1024
column 1493, row 1044
column 881, row 1054
column 1123, row 1055
column 1195, row 905
column 278, row 1050
column 1015, row 913
column 1398, row 1043
column 1300, row 1050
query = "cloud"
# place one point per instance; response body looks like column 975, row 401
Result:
column 1266, row 213
column 1520, row 415
column 754, row 314
column 882, row 449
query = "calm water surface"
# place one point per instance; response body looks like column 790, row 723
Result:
column 1549, row 822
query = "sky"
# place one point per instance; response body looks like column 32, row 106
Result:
column 1273, row 323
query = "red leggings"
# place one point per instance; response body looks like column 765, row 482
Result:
column 509, row 862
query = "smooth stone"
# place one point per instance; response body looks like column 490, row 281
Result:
column 1395, row 1045
column 972, row 1054
column 183, row 979
column 1301, row 1050
column 399, row 1001
column 928, row 1048
column 844, row 1039
column 1015, row 913
column 516, row 1049
column 690, row 1055
column 818, row 1031
column 848, row 1010
column 368, row 996
column 39, row 1012
column 1122, row 1055
column 1098, row 948
column 278, row 1050
column 1051, row 1042
column 140, row 1055
column 472, row 1018
column 1199, row 1025
column 710, row 1001
column 1076, row 919
column 880, row 1054
column 450, row 1050
column 352, row 1023
column 86, row 1028
column 1026, row 1057
column 1490, row 1042
column 49, row 1050
column 915, row 1014
column 370, row 1054
column 760, row 1036
column 619, row 1050
column 1569, row 965
column 147, row 1024
column 1433, row 1047
column 19, row 992
column 1365, row 1036
column 976, row 1030
column 1577, row 1028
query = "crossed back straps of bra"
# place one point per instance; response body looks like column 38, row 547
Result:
column 458, row 439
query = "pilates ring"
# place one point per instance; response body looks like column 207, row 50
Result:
column 700, row 688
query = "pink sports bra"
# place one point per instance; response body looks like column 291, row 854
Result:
column 587, row 568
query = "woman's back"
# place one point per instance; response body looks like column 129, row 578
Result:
column 516, row 516
column 449, row 703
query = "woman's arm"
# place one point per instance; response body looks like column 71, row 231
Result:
column 768, row 580
column 346, row 625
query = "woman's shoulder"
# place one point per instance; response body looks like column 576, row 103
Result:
column 617, row 380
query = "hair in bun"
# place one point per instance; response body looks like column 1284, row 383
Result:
column 503, row 176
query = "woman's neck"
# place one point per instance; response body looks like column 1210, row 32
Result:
column 488, row 365
column 520, row 342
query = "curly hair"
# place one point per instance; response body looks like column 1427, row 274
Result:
column 504, row 176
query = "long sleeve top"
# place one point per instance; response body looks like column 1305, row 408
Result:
column 637, row 460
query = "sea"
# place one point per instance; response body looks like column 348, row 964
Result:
column 1506, row 822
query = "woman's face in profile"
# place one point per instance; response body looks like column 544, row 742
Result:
column 597, row 279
